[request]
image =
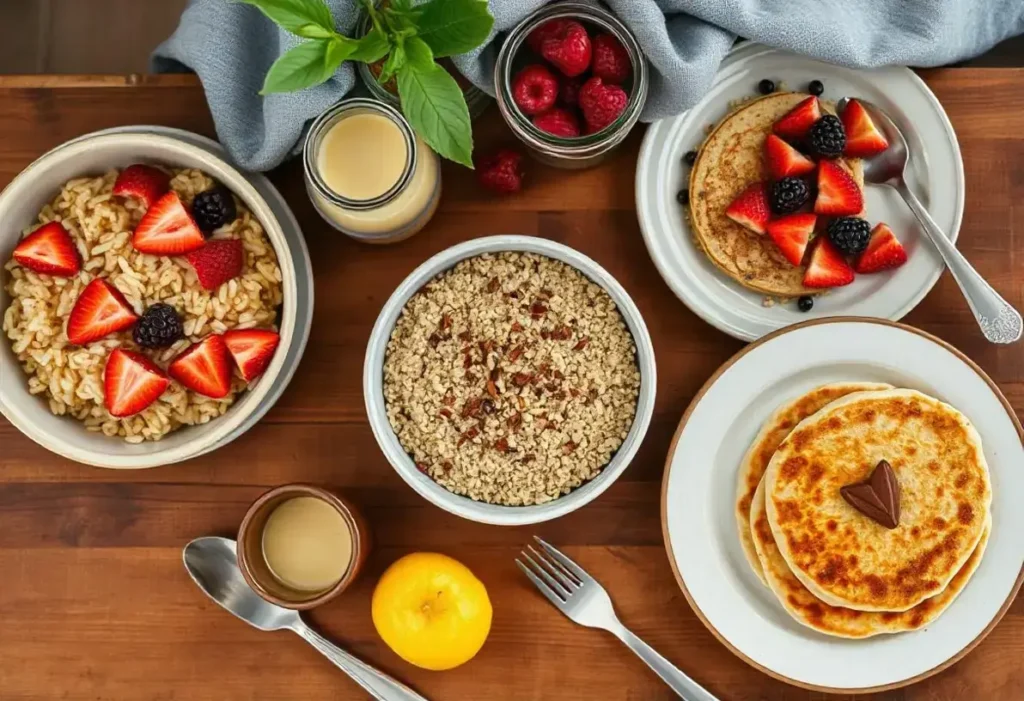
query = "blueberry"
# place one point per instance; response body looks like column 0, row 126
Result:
column 805, row 303
column 683, row 197
column 815, row 87
column 690, row 158
column 766, row 87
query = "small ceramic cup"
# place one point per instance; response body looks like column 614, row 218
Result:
column 250, row 547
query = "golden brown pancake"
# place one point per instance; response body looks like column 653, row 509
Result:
column 730, row 159
column 774, row 431
column 843, row 622
column 846, row 558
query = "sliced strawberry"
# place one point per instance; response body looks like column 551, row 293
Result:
column 827, row 267
column 131, row 382
column 50, row 250
column 863, row 138
column 217, row 262
column 838, row 193
column 204, row 367
column 252, row 350
column 751, row 209
column 783, row 160
column 167, row 229
column 884, row 252
column 798, row 121
column 791, row 234
column 143, row 182
column 99, row 311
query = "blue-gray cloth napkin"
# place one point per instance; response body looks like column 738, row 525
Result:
column 231, row 46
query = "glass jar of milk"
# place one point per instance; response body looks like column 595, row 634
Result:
column 368, row 174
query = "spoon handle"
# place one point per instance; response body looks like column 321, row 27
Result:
column 379, row 685
column 999, row 321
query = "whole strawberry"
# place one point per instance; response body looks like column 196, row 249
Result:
column 611, row 62
column 535, row 89
column 500, row 172
column 601, row 104
column 558, row 122
column 536, row 38
column 567, row 47
column 569, row 94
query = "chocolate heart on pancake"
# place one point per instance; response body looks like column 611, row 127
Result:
column 877, row 497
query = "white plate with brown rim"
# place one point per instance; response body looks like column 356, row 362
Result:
column 699, row 488
column 936, row 174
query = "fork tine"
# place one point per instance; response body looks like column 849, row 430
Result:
column 541, row 586
column 562, row 559
column 559, row 588
column 553, row 567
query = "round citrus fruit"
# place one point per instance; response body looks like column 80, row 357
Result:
column 431, row 611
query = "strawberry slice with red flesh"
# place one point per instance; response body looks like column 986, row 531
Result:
column 827, row 267
column 795, row 124
column 783, row 160
column 751, row 209
column 145, row 183
column 217, row 262
column 884, row 252
column 863, row 138
column 791, row 234
column 204, row 367
column 50, row 250
column 252, row 350
column 99, row 311
column 131, row 382
column 838, row 193
column 167, row 229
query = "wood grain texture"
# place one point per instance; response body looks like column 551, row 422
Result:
column 96, row 605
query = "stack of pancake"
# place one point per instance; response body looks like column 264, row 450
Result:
column 834, row 567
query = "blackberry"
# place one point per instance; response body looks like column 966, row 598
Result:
column 805, row 303
column 766, row 87
column 816, row 87
column 849, row 234
column 827, row 137
column 690, row 158
column 789, row 195
column 213, row 209
column 159, row 327
column 683, row 197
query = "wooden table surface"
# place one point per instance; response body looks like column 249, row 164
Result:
column 95, row 603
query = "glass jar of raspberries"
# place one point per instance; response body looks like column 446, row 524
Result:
column 571, row 82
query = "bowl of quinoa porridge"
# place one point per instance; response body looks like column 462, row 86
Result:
column 509, row 380
column 147, row 300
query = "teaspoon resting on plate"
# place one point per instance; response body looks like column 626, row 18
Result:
column 212, row 564
column 999, row 321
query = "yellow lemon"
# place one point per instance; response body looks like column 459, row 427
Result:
column 431, row 611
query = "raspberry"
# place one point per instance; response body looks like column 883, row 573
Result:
column 558, row 122
column 568, row 48
column 569, row 95
column 535, row 89
column 601, row 104
column 611, row 61
column 217, row 262
column 535, row 39
column 500, row 172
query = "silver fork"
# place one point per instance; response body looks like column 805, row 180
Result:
column 584, row 601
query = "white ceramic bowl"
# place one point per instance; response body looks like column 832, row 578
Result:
column 373, row 378
column 20, row 203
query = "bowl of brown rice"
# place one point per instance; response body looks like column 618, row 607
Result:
column 509, row 380
column 52, row 389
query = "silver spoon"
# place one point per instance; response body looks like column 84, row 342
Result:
column 1000, row 322
column 212, row 565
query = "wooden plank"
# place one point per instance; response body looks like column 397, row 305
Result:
column 96, row 604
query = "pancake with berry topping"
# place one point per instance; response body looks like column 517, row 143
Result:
column 731, row 160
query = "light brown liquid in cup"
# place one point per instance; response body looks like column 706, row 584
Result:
column 307, row 544
column 362, row 156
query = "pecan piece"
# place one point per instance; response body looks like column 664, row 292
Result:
column 581, row 344
column 446, row 321
column 493, row 285
column 568, row 447
column 537, row 310
column 492, row 389
column 521, row 379
column 514, row 355
column 562, row 333
column 501, row 445
column 516, row 326
column 433, row 340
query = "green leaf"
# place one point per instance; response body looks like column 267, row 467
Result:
column 434, row 105
column 310, row 19
column 419, row 54
column 395, row 62
column 306, row 65
column 373, row 46
column 454, row 26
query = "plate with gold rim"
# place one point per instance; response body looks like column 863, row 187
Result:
column 699, row 489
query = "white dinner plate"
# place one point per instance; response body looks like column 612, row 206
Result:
column 937, row 175
column 699, row 490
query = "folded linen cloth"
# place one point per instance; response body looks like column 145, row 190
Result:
column 231, row 46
